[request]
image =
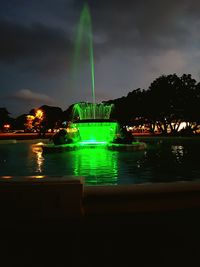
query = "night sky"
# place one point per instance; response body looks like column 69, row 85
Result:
column 135, row 42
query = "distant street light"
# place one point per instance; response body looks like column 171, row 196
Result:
column 6, row 127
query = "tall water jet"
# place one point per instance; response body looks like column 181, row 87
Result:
column 84, row 34
column 91, row 120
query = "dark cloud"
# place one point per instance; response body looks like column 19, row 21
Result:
column 22, row 101
column 36, row 47
column 135, row 41
column 29, row 95
column 146, row 26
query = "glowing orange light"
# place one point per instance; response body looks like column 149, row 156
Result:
column 6, row 177
column 39, row 114
column 7, row 126
column 30, row 117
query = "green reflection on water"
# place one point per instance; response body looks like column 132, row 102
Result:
column 95, row 163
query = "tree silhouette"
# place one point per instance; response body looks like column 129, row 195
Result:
column 172, row 101
column 4, row 117
column 169, row 101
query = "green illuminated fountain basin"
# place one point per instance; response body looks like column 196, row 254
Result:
column 93, row 133
column 99, row 132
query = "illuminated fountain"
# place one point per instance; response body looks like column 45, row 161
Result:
column 89, row 111
column 91, row 124
column 94, row 125
column 91, row 120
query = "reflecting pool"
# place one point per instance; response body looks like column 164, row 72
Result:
column 164, row 160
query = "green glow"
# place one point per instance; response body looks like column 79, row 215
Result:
column 95, row 164
column 84, row 34
column 92, row 142
column 85, row 111
column 96, row 132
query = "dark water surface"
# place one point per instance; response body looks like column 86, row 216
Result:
column 164, row 160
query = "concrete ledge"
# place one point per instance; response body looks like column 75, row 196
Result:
column 40, row 197
column 141, row 198
column 61, row 197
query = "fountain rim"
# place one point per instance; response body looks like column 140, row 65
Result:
column 95, row 120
